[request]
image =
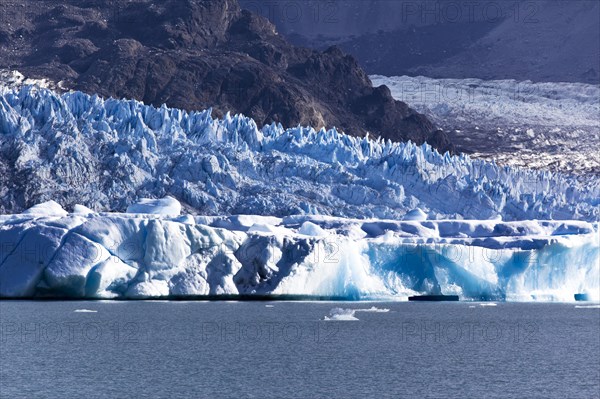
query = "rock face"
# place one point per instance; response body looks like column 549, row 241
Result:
column 542, row 40
column 197, row 54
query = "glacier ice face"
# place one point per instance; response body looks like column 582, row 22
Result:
column 123, row 255
column 96, row 155
column 106, row 154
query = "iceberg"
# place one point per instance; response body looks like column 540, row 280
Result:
column 157, row 255
column 49, row 208
column 339, row 314
column 415, row 214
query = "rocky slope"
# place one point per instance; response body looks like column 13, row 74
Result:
column 542, row 40
column 196, row 54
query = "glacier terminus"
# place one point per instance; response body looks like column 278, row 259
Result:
column 153, row 252
column 272, row 211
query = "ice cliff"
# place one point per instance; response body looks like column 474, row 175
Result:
column 160, row 254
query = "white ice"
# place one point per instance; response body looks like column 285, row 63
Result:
column 107, row 154
column 374, row 309
column 339, row 314
column 167, row 206
column 150, row 255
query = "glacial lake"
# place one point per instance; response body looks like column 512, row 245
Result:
column 149, row 349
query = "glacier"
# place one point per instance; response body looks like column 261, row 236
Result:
column 108, row 198
column 105, row 154
column 545, row 125
column 47, row 252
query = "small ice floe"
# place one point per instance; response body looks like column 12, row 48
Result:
column 587, row 306
column 85, row 311
column 487, row 304
column 472, row 306
column 373, row 309
column 339, row 314
column 269, row 306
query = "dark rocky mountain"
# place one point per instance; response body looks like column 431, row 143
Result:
column 538, row 40
column 196, row 54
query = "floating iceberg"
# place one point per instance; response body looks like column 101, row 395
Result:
column 340, row 314
column 153, row 255
column 373, row 309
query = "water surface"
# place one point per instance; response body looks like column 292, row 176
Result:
column 286, row 349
